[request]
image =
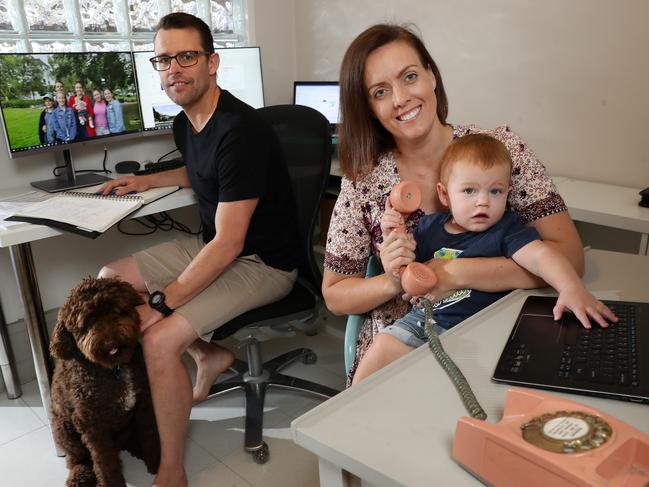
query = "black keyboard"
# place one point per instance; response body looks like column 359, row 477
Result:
column 160, row 166
column 603, row 355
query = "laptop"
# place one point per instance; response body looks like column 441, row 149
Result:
column 564, row 356
column 323, row 96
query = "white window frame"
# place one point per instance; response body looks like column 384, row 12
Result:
column 133, row 41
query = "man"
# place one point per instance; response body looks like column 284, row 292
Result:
column 247, row 257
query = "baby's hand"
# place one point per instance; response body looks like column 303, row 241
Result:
column 584, row 305
column 391, row 219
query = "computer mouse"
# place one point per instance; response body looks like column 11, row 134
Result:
column 127, row 167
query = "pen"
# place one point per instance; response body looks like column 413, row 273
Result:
column 112, row 193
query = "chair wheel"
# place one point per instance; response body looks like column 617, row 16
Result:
column 262, row 454
column 309, row 358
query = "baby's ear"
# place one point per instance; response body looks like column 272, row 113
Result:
column 442, row 193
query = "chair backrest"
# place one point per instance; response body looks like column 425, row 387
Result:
column 305, row 139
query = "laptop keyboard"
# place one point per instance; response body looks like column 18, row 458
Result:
column 603, row 355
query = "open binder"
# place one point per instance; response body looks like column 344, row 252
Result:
column 86, row 213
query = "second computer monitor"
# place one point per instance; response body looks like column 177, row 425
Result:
column 324, row 96
column 239, row 72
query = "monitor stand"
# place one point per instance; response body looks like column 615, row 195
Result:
column 69, row 180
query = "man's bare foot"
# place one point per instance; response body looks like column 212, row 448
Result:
column 211, row 361
column 177, row 479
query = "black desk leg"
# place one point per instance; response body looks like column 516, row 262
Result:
column 7, row 362
column 23, row 264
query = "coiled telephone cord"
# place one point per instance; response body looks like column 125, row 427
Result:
column 461, row 384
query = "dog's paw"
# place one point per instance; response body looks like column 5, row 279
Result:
column 81, row 476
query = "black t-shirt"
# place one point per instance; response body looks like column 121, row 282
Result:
column 236, row 157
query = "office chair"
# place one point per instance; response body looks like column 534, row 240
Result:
column 355, row 322
column 305, row 138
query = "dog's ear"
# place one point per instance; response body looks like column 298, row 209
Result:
column 62, row 345
column 130, row 296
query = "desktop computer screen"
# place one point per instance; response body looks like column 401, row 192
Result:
column 323, row 96
column 239, row 72
column 41, row 108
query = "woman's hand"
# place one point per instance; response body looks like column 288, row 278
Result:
column 397, row 251
column 391, row 219
column 127, row 184
column 444, row 286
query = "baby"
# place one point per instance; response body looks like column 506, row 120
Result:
column 82, row 111
column 475, row 179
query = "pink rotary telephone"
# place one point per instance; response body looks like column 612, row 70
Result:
column 544, row 440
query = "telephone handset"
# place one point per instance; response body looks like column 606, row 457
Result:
column 416, row 278
column 545, row 440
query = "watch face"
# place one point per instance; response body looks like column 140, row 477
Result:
column 156, row 298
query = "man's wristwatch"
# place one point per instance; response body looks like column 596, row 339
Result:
column 157, row 302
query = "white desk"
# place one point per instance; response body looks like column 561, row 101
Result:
column 396, row 428
column 18, row 238
column 606, row 204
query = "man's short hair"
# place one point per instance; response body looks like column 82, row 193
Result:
column 182, row 20
column 479, row 149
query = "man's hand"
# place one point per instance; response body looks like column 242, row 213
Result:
column 583, row 304
column 127, row 184
column 148, row 316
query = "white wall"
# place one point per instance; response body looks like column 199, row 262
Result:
column 274, row 32
column 571, row 77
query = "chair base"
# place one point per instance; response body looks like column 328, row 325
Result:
column 255, row 386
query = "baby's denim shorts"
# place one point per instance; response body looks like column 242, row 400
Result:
column 410, row 328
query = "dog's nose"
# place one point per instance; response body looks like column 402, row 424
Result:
column 111, row 347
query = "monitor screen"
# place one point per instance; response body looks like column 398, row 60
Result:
column 239, row 72
column 48, row 101
column 324, row 96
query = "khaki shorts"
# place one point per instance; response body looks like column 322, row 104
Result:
column 245, row 284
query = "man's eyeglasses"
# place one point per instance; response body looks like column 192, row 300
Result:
column 184, row 59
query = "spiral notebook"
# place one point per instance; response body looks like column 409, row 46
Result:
column 85, row 213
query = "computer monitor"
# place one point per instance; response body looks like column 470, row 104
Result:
column 35, row 118
column 323, row 96
column 239, row 72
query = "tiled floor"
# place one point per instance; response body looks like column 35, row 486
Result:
column 214, row 455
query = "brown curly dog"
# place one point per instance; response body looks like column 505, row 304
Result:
column 101, row 403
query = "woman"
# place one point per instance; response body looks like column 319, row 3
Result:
column 80, row 103
column 64, row 126
column 394, row 128
column 114, row 113
column 99, row 107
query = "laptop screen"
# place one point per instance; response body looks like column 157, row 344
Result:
column 321, row 95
